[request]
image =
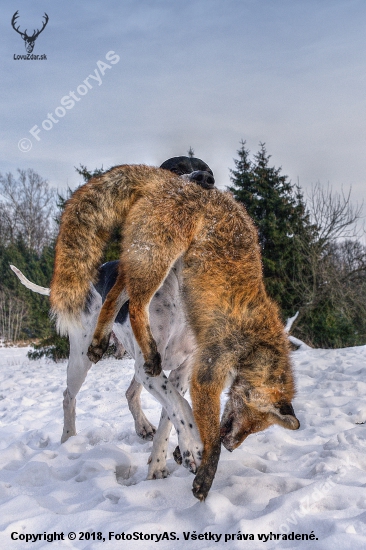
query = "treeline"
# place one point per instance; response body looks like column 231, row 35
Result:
column 313, row 262
column 27, row 233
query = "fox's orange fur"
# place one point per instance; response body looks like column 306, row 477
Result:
column 86, row 224
column 237, row 327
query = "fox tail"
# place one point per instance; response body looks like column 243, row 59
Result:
column 90, row 215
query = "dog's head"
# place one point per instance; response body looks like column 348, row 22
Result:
column 250, row 410
column 192, row 169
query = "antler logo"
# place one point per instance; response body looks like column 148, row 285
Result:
column 28, row 40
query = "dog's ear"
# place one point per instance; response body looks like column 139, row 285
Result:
column 284, row 415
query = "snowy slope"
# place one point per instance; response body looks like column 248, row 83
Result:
column 280, row 482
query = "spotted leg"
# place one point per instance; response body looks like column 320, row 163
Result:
column 78, row 364
column 179, row 378
column 179, row 412
column 143, row 427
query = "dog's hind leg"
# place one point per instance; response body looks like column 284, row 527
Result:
column 79, row 363
column 143, row 427
column 157, row 460
column 77, row 369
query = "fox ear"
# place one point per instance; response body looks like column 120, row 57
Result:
column 284, row 415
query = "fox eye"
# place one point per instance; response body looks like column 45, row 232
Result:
column 285, row 408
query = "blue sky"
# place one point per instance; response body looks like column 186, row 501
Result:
column 200, row 73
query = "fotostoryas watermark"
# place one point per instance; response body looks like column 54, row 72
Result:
column 139, row 536
column 68, row 102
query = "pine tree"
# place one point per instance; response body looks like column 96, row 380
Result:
column 279, row 212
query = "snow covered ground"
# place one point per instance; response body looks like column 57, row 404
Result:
column 308, row 482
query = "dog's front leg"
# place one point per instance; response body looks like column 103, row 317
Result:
column 157, row 458
column 143, row 427
column 179, row 378
column 179, row 413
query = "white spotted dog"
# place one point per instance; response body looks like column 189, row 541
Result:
column 175, row 343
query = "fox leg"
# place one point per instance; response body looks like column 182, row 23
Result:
column 139, row 318
column 143, row 279
column 115, row 299
column 206, row 388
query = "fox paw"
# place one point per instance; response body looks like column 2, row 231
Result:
column 97, row 349
column 202, row 484
column 153, row 366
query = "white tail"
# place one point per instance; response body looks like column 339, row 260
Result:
column 290, row 322
column 28, row 284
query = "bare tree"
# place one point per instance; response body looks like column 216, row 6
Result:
column 334, row 276
column 7, row 225
column 12, row 313
column 333, row 214
column 27, row 209
column 334, row 219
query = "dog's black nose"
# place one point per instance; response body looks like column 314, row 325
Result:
column 205, row 179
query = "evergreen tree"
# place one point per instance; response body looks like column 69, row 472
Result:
column 36, row 267
column 279, row 212
column 87, row 174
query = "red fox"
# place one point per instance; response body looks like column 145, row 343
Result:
column 237, row 330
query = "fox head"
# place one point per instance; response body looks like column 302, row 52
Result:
column 250, row 410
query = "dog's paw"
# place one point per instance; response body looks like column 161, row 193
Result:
column 158, row 473
column 177, row 456
column 190, row 459
column 97, row 349
column 146, row 431
column 152, row 367
column 66, row 434
column 157, row 469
